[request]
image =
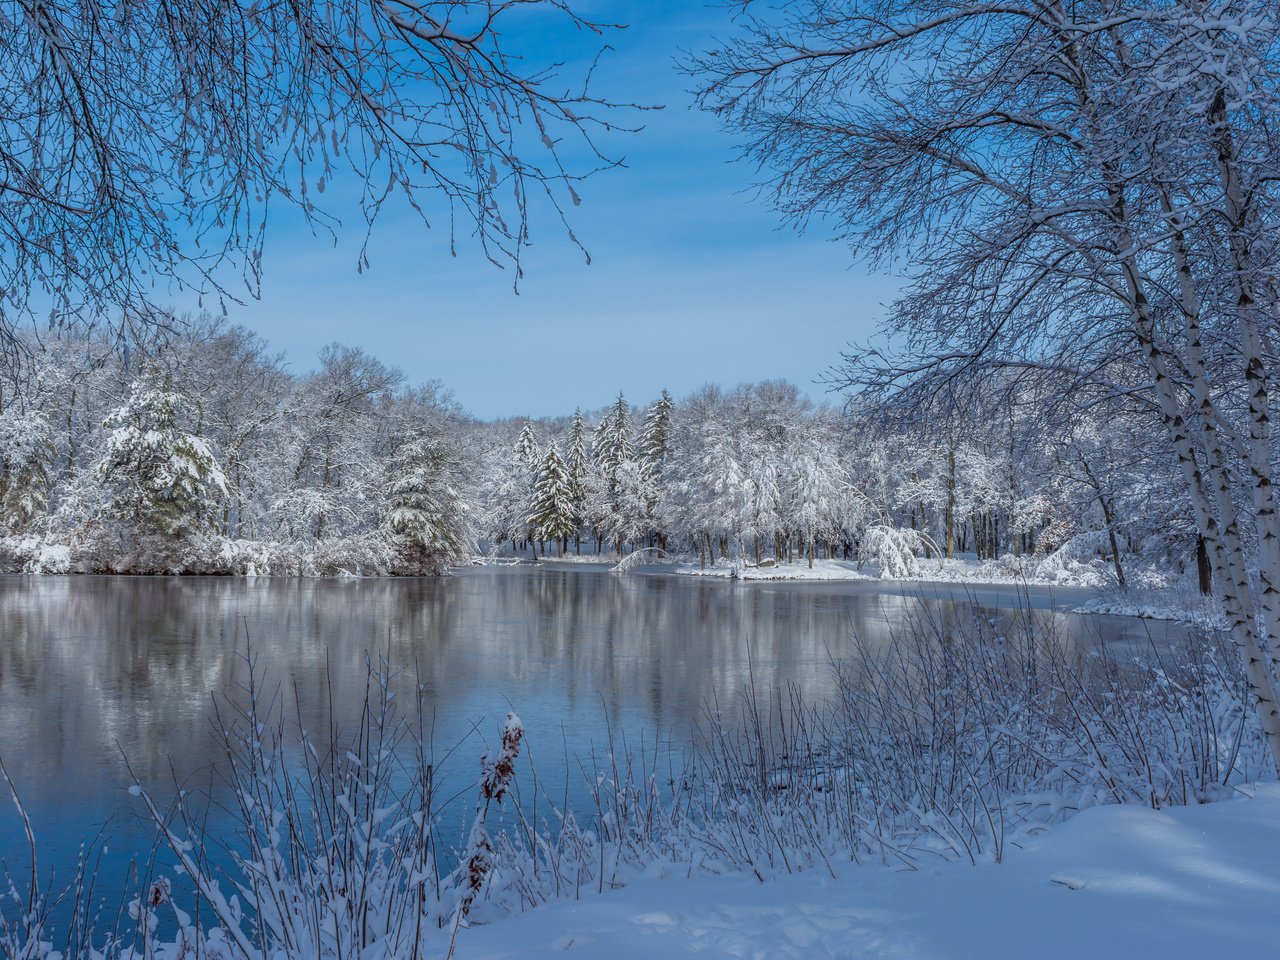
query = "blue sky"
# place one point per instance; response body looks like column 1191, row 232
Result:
column 692, row 280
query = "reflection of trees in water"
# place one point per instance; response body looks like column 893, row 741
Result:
column 89, row 662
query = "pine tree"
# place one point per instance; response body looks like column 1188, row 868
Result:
column 527, row 461
column 620, row 446
column 576, row 464
column 526, row 448
column 552, row 517
column 427, row 517
column 613, row 446
column 163, row 479
column 655, row 435
column 25, row 457
column 600, row 442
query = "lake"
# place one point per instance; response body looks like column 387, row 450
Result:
column 96, row 669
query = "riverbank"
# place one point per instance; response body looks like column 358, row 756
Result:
column 937, row 570
column 1112, row 882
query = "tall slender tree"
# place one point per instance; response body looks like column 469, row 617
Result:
column 578, row 465
column 552, row 517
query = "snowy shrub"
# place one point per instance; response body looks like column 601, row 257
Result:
column 32, row 554
column 893, row 550
column 50, row 558
column 1077, row 561
column 1159, row 599
column 956, row 744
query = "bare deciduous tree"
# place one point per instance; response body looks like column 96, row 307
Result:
column 142, row 142
column 1080, row 188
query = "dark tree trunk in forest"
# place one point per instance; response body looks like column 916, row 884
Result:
column 1204, row 569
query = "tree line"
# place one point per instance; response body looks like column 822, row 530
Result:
column 199, row 451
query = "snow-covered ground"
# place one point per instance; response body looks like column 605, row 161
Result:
column 1113, row 882
column 957, row 570
column 800, row 570
column 1151, row 605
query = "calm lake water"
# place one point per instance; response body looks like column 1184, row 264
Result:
column 94, row 669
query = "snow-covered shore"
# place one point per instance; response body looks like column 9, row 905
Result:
column 1116, row 881
column 958, row 572
column 1202, row 612
column 821, row 570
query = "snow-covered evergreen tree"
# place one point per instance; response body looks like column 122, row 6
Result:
column 162, row 478
column 553, row 516
column 613, row 444
column 26, row 454
column 427, row 517
column 578, row 467
column 526, row 447
column 653, row 443
column 655, row 434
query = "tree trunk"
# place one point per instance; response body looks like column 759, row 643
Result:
column 1223, row 537
column 951, row 502
column 1203, row 569
column 1255, row 375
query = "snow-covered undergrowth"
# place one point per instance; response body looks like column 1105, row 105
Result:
column 1177, row 601
column 947, row 746
column 1062, row 568
column 798, row 570
column 99, row 552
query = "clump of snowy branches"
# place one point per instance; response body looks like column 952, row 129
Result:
column 894, row 550
column 1077, row 561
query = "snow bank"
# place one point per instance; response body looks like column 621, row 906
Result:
column 369, row 554
column 800, row 570
column 1115, row 881
column 1006, row 570
column 1180, row 600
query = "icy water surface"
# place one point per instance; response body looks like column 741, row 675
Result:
column 95, row 669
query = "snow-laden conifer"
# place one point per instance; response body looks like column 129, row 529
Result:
column 553, row 516
column 612, row 444
column 655, row 434
column 427, row 517
column 26, row 455
column 526, row 448
column 578, row 465
column 162, row 479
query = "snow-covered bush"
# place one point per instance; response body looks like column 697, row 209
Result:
column 1077, row 562
column 894, row 550
column 33, row 554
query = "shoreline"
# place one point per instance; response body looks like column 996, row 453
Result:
column 961, row 576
